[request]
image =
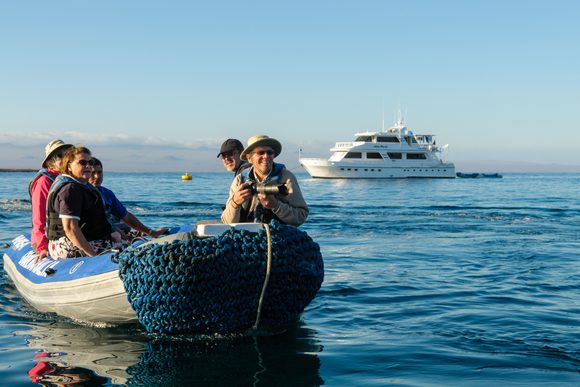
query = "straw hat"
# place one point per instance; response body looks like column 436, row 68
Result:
column 262, row 140
column 52, row 147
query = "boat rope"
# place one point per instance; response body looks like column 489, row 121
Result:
column 219, row 284
column 267, row 278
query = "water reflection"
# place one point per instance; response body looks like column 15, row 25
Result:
column 69, row 354
column 289, row 359
column 70, row 348
column 53, row 373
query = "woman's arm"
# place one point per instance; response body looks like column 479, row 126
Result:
column 74, row 233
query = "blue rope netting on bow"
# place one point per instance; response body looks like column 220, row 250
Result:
column 213, row 285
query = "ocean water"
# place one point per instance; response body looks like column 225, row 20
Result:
column 463, row 282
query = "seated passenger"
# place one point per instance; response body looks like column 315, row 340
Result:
column 77, row 222
column 244, row 205
column 115, row 210
column 38, row 191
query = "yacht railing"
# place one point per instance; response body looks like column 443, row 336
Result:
column 348, row 144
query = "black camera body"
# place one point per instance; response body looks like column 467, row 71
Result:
column 261, row 188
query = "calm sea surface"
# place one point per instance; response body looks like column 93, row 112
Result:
column 427, row 282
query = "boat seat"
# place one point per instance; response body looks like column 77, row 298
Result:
column 180, row 236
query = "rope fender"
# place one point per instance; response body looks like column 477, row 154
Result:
column 213, row 285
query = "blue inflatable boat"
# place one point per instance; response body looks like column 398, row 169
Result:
column 87, row 289
column 205, row 279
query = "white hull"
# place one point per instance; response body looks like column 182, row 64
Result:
column 321, row 168
column 98, row 299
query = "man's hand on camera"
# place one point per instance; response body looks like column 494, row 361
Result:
column 243, row 192
column 268, row 201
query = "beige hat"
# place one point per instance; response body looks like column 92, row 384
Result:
column 52, row 147
column 261, row 140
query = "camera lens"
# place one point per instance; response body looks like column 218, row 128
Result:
column 267, row 190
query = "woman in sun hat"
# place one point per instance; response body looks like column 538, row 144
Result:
column 246, row 205
column 38, row 190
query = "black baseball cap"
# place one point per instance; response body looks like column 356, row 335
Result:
column 229, row 145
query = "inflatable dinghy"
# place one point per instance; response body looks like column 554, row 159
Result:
column 211, row 278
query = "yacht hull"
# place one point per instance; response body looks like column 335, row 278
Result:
column 320, row 168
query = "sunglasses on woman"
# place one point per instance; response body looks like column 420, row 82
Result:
column 86, row 162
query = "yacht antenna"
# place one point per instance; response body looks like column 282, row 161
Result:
column 383, row 113
column 399, row 117
column 399, row 114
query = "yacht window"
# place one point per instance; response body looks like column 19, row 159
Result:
column 364, row 138
column 416, row 156
column 353, row 155
column 374, row 155
column 395, row 156
column 388, row 139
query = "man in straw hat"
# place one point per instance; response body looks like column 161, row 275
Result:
column 38, row 190
column 247, row 204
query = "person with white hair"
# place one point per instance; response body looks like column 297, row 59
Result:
column 266, row 190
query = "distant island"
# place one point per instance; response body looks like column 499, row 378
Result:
column 17, row 170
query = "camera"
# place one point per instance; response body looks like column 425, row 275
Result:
column 261, row 188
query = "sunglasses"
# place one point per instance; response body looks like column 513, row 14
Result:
column 268, row 152
column 86, row 162
column 228, row 155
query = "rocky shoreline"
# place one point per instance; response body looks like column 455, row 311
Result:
column 17, row 170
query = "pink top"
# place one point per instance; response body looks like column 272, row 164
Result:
column 39, row 190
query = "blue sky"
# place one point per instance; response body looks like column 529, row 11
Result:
column 158, row 85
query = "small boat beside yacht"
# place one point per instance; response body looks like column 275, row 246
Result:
column 396, row 152
column 477, row 175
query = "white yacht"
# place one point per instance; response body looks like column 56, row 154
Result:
column 392, row 153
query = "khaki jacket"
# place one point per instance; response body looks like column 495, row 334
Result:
column 291, row 209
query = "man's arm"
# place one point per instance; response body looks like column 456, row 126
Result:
column 133, row 222
column 238, row 195
column 291, row 209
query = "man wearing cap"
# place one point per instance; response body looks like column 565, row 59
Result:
column 245, row 205
column 230, row 154
column 38, row 190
